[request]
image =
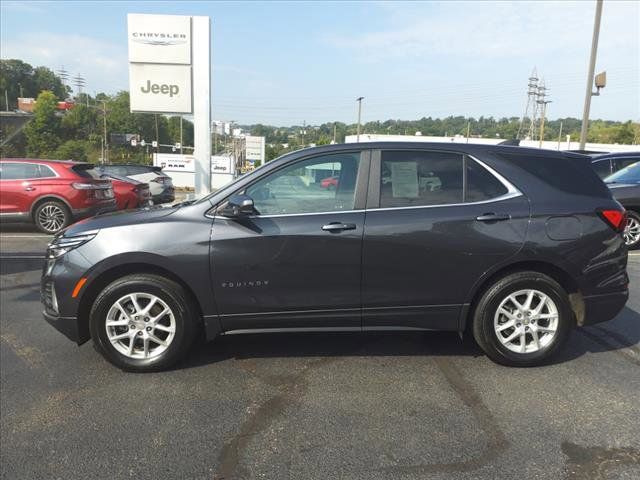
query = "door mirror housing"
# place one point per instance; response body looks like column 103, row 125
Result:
column 238, row 206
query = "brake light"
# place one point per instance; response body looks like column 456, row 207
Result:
column 615, row 218
column 84, row 186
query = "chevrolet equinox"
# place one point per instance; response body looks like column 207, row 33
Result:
column 513, row 246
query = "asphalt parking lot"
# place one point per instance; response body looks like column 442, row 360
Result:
column 318, row 406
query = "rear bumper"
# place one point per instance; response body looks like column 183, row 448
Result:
column 103, row 207
column 601, row 308
column 166, row 196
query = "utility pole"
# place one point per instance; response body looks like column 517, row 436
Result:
column 105, row 155
column 6, row 100
column 544, row 111
column 560, row 135
column 334, row 132
column 359, row 100
column 468, row 129
column 592, row 66
column 181, row 142
column 157, row 136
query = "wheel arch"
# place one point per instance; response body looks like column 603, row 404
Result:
column 557, row 273
column 46, row 198
column 112, row 273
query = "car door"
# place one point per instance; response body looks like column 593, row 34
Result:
column 435, row 222
column 296, row 262
column 18, row 181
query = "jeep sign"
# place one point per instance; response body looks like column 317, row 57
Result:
column 160, row 88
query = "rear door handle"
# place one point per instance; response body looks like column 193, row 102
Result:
column 493, row 217
column 29, row 189
column 338, row 226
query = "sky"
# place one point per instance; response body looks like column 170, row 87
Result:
column 285, row 63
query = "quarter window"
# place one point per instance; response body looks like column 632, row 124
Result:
column 481, row 184
column 321, row 184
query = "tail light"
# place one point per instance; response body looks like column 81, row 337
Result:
column 617, row 219
column 161, row 180
column 85, row 186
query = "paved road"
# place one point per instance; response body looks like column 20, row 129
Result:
column 312, row 406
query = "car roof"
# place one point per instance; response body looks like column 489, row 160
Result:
column 616, row 155
column 464, row 147
column 44, row 160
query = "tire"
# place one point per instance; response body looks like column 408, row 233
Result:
column 632, row 230
column 147, row 354
column 51, row 216
column 551, row 326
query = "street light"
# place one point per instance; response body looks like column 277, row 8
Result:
column 592, row 66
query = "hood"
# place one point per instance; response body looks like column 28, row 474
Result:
column 118, row 219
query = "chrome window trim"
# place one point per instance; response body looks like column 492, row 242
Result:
column 512, row 192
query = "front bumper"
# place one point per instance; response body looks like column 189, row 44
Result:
column 602, row 308
column 68, row 326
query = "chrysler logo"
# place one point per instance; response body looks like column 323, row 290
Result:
column 162, row 39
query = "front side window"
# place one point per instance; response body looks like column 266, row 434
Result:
column 321, row 184
column 18, row 171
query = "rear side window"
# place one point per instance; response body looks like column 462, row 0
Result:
column 625, row 162
column 413, row 178
column 567, row 173
column 18, row 171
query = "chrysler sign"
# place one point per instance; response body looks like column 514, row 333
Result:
column 159, row 39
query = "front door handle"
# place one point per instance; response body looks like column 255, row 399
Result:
column 493, row 217
column 338, row 226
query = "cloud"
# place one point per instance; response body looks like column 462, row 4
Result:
column 102, row 64
column 490, row 30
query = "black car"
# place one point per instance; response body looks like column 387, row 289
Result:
column 514, row 246
column 625, row 186
column 608, row 163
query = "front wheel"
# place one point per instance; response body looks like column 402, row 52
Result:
column 632, row 230
column 523, row 319
column 142, row 323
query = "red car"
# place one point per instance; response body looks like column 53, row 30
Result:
column 129, row 193
column 52, row 193
column 329, row 183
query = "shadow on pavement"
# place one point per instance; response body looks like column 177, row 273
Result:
column 605, row 337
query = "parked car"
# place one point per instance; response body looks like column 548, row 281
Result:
column 608, row 163
column 160, row 184
column 52, row 193
column 330, row 183
column 625, row 186
column 129, row 193
column 516, row 247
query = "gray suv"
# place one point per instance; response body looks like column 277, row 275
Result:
column 512, row 246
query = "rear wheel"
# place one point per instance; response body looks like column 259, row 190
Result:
column 523, row 319
column 632, row 230
column 51, row 216
column 143, row 323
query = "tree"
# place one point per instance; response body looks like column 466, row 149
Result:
column 18, row 78
column 43, row 132
column 77, row 150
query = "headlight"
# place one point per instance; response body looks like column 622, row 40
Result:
column 62, row 245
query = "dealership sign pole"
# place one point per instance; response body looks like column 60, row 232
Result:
column 170, row 72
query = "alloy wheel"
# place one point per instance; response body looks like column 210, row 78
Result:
column 631, row 231
column 51, row 218
column 140, row 325
column 526, row 321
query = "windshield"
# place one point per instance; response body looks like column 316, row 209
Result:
column 629, row 174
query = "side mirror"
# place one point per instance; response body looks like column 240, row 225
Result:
column 238, row 206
